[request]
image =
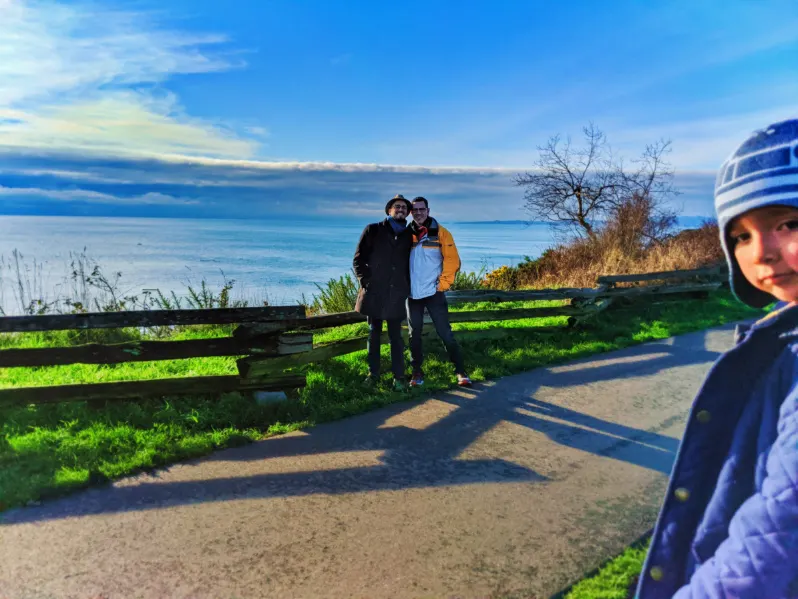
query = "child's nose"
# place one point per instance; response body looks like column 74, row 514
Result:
column 765, row 248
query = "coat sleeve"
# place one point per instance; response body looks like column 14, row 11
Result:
column 451, row 260
column 760, row 556
column 360, row 264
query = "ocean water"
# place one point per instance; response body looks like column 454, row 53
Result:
column 277, row 261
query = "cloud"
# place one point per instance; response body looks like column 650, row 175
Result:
column 251, row 189
column 122, row 122
column 704, row 143
column 93, row 197
column 67, row 83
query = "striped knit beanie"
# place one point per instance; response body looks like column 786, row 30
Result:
column 763, row 171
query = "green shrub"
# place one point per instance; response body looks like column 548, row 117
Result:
column 468, row 280
column 337, row 295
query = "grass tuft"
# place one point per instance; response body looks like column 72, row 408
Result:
column 615, row 580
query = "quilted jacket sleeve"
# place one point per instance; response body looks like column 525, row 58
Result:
column 760, row 557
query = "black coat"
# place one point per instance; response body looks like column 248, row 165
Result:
column 382, row 266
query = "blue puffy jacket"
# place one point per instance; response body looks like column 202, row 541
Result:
column 729, row 524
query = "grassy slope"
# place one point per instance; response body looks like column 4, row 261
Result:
column 614, row 579
column 50, row 449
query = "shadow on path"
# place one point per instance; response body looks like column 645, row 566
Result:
column 417, row 458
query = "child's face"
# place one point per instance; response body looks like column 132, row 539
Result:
column 765, row 243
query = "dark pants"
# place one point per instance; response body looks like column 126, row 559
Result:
column 438, row 309
column 397, row 346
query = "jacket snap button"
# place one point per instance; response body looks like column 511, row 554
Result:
column 682, row 494
column 703, row 416
column 656, row 573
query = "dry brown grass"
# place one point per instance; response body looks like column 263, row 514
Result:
column 623, row 246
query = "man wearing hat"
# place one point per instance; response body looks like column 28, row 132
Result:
column 382, row 267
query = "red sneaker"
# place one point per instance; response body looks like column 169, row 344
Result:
column 463, row 380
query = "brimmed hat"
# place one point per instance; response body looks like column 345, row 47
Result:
column 398, row 196
column 758, row 174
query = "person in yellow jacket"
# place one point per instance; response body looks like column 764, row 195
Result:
column 434, row 262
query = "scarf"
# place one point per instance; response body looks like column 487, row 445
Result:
column 397, row 226
column 420, row 231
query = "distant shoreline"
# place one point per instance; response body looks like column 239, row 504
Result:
column 684, row 221
column 500, row 222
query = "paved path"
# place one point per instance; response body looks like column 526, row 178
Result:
column 514, row 488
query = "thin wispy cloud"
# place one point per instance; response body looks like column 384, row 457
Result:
column 703, row 143
column 94, row 197
column 65, row 82
column 619, row 81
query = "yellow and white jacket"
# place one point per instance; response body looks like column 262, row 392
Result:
column 434, row 260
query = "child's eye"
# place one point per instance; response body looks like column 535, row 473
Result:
column 792, row 225
column 739, row 238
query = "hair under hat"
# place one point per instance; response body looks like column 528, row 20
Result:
column 398, row 196
column 763, row 171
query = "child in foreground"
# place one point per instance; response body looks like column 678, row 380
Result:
column 729, row 523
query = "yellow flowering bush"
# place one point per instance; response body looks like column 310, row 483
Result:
column 504, row 278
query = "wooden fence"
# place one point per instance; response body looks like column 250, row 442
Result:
column 276, row 339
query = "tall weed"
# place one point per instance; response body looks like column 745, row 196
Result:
column 469, row 280
column 337, row 295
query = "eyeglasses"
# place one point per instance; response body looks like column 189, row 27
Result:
column 419, row 210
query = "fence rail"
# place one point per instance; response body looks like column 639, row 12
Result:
column 142, row 389
column 480, row 295
column 150, row 351
column 718, row 272
column 270, row 341
column 147, row 318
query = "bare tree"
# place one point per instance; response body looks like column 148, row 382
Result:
column 582, row 185
column 645, row 191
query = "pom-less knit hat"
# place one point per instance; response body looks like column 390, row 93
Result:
column 763, row 171
column 398, row 196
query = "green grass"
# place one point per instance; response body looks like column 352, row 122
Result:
column 613, row 580
column 47, row 450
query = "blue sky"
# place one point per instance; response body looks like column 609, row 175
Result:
column 279, row 108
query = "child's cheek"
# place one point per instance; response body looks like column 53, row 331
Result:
column 790, row 254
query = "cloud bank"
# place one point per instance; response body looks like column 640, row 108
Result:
column 54, row 183
column 66, row 83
